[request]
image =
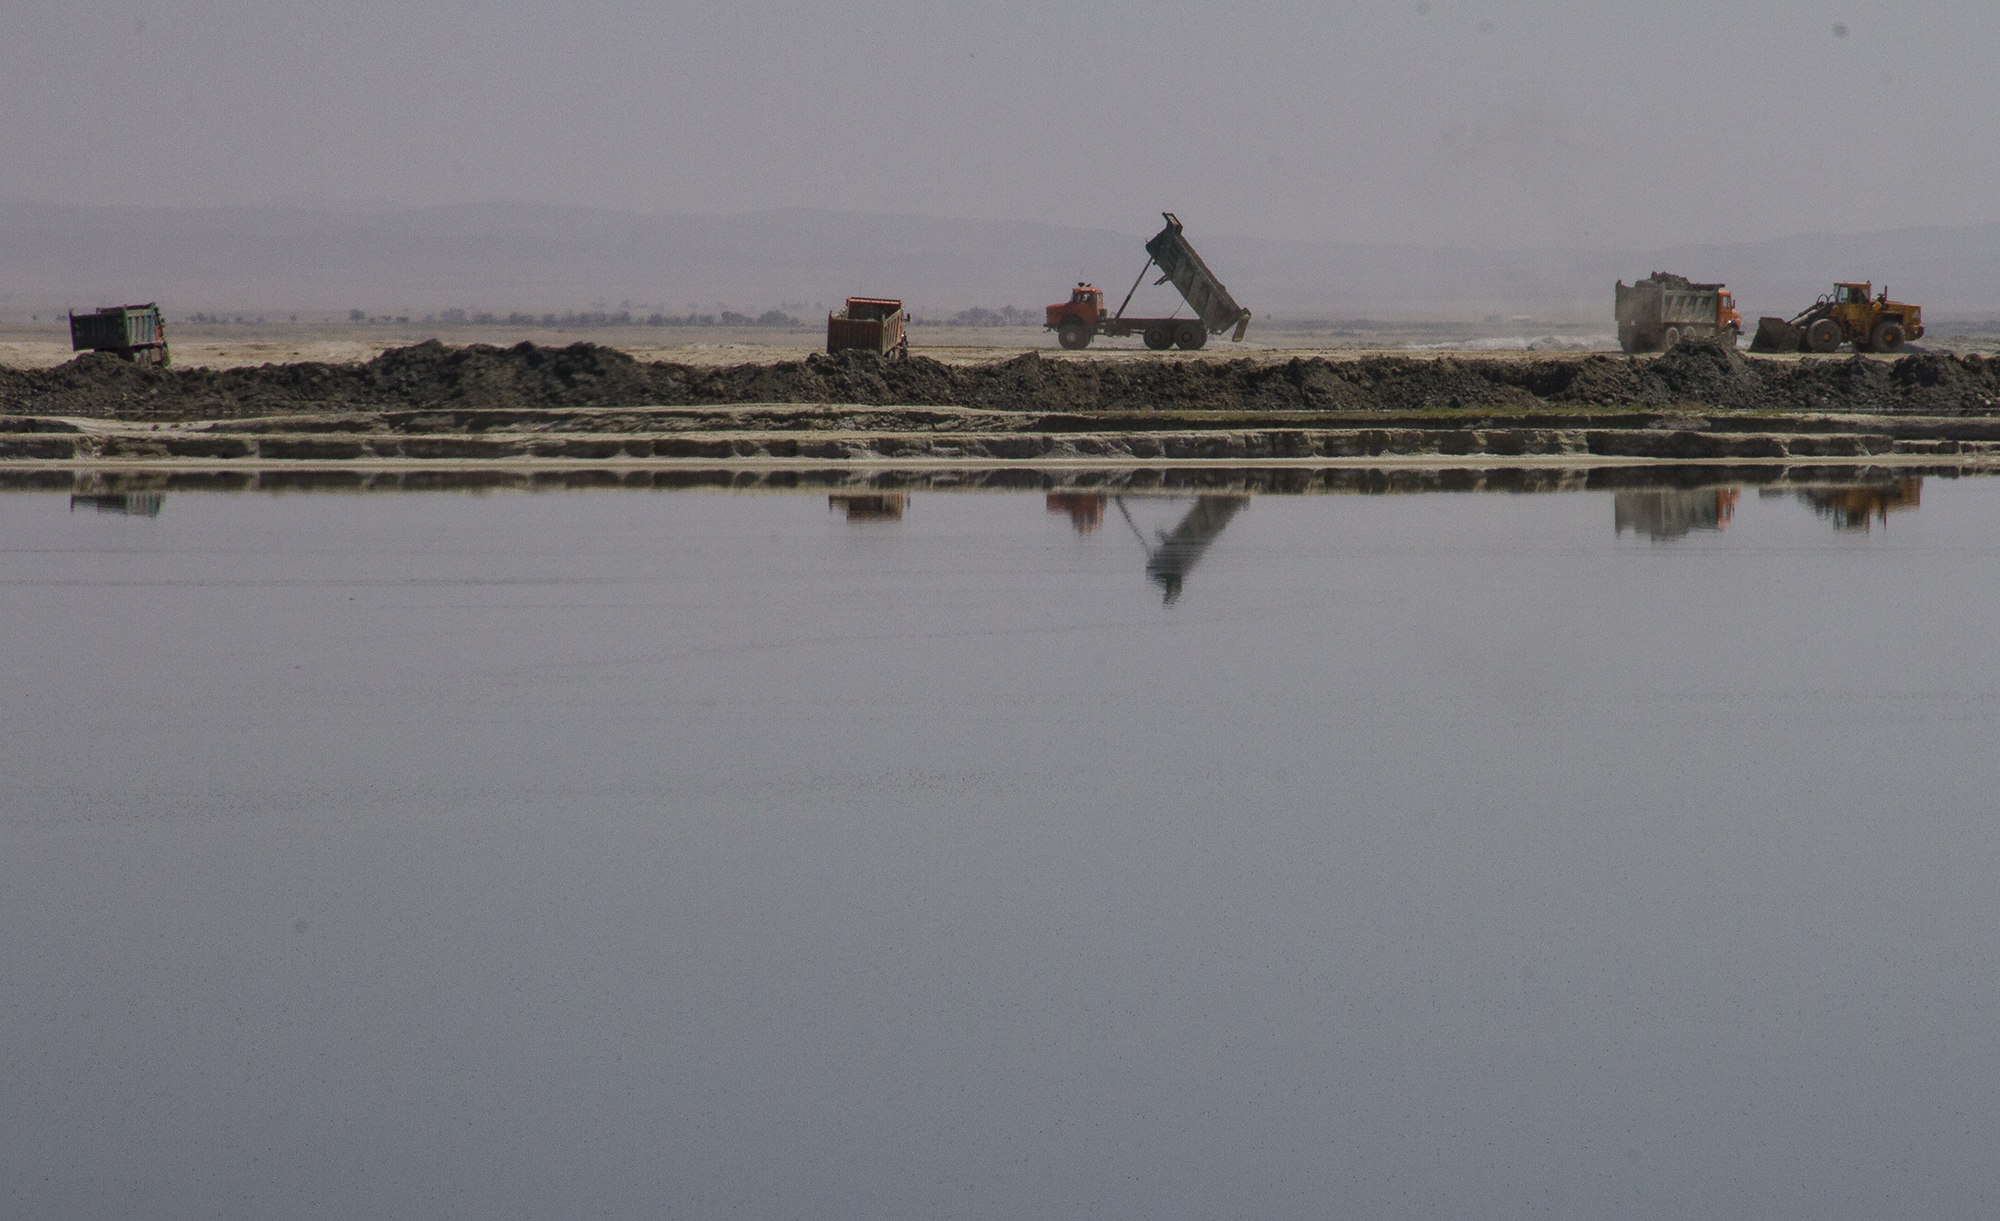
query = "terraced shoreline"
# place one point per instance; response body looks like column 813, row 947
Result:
column 788, row 433
column 431, row 404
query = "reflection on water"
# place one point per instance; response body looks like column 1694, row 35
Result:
column 1664, row 513
column 874, row 506
column 1855, row 508
column 128, row 504
column 1170, row 560
column 1085, row 509
column 1670, row 513
column 855, row 481
column 1652, row 501
column 537, row 855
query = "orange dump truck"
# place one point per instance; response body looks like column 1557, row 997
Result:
column 1083, row 317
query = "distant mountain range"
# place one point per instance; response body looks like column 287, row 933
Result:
column 534, row 258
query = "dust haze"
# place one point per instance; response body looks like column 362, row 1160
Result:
column 1431, row 123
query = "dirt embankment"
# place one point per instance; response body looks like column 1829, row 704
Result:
column 430, row 375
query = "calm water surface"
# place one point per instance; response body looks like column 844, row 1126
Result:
column 643, row 854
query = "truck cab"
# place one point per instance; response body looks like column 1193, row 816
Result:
column 1727, row 318
column 1077, row 320
column 1085, row 304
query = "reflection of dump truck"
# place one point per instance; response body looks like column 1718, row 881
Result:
column 1670, row 513
column 135, row 332
column 1083, row 317
column 1847, row 315
column 1854, row 506
column 873, row 506
column 1661, row 310
column 872, row 324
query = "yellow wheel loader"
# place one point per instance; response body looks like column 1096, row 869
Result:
column 1846, row 315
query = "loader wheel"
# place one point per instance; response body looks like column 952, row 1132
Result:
column 1159, row 336
column 1886, row 337
column 1073, row 334
column 1823, row 336
column 1190, row 336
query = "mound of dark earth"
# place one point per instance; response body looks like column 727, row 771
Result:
column 431, row 375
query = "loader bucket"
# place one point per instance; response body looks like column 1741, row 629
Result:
column 1777, row 335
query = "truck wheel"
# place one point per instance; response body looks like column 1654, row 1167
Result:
column 1670, row 339
column 1190, row 336
column 1886, row 337
column 1159, row 336
column 1073, row 334
column 1823, row 336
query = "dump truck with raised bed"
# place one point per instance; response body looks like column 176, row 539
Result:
column 871, row 324
column 1083, row 317
column 1659, row 311
column 1846, row 315
column 136, row 332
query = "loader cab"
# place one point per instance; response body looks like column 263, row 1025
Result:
column 1852, row 294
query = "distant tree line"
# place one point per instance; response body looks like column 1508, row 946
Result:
column 1006, row 315
column 623, row 317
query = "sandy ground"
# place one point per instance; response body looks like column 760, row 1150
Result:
column 27, row 346
column 24, row 346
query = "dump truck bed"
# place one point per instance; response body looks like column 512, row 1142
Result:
column 1655, row 304
column 133, row 331
column 872, row 324
column 1211, row 301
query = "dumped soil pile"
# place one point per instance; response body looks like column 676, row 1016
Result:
column 430, row 375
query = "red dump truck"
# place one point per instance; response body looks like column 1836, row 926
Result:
column 1083, row 317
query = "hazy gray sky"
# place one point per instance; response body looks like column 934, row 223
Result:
column 1480, row 122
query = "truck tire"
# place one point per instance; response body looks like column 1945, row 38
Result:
column 1886, row 337
column 1670, row 339
column 1159, row 336
column 1072, row 334
column 1823, row 336
column 1190, row 335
